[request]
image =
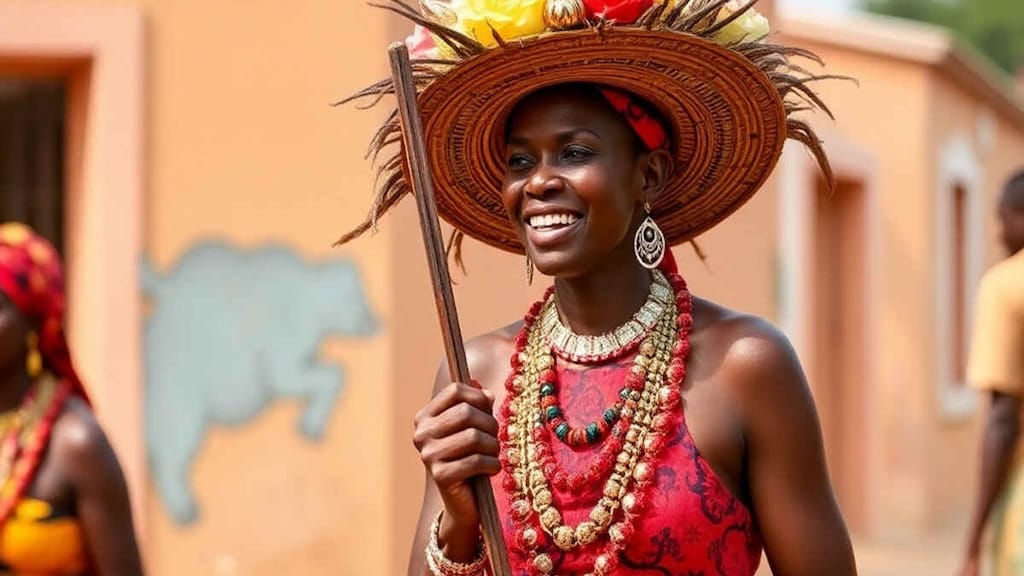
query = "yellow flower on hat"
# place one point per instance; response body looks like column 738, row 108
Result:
column 14, row 233
column 511, row 19
column 749, row 27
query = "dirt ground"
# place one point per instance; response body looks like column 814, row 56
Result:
column 937, row 555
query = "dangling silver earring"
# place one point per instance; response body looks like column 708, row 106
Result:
column 529, row 271
column 649, row 244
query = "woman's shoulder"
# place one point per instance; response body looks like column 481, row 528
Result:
column 751, row 356
column 728, row 327
column 496, row 340
column 78, row 440
column 489, row 355
column 77, row 425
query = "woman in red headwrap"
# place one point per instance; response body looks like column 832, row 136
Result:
column 64, row 508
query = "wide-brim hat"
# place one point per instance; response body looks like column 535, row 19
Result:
column 724, row 102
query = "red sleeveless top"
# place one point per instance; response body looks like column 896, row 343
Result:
column 693, row 525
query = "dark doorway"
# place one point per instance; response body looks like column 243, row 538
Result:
column 32, row 154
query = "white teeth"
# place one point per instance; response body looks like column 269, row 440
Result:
column 548, row 220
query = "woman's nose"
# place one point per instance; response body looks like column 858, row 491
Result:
column 544, row 180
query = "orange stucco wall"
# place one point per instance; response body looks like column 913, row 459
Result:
column 99, row 50
column 245, row 148
column 903, row 314
column 905, row 112
column 955, row 112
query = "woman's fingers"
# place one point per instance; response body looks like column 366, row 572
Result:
column 459, row 445
column 455, row 408
column 456, row 393
column 459, row 471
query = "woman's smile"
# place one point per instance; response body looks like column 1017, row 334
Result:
column 548, row 227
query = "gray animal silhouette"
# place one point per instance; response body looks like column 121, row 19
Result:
column 231, row 331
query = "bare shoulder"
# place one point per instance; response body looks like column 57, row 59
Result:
column 753, row 358
column 783, row 459
column 79, row 440
column 488, row 356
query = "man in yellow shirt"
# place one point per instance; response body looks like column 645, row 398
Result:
column 996, row 366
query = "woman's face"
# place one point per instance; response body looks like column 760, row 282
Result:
column 575, row 179
column 14, row 329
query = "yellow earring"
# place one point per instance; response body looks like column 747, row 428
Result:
column 34, row 360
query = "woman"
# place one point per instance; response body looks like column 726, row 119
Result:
column 628, row 426
column 64, row 507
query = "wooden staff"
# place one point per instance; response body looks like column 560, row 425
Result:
column 458, row 369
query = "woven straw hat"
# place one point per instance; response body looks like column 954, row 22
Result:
column 725, row 104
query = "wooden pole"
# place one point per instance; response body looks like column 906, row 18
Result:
column 423, row 188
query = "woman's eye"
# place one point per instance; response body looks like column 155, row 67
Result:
column 517, row 161
column 576, row 153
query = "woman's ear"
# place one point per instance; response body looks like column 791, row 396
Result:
column 656, row 172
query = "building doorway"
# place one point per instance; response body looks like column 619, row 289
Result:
column 839, row 351
column 32, row 154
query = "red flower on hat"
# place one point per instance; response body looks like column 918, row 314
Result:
column 621, row 11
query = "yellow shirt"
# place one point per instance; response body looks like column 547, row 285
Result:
column 996, row 360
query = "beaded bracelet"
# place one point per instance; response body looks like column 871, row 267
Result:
column 440, row 565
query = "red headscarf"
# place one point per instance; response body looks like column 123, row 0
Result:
column 31, row 276
column 651, row 132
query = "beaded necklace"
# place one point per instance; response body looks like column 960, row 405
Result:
column 22, row 446
column 650, row 396
column 624, row 339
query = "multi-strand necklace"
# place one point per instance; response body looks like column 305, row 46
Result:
column 575, row 348
column 644, row 420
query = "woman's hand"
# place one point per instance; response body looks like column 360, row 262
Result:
column 456, row 436
column 457, row 439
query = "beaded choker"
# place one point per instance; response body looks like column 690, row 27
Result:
column 584, row 349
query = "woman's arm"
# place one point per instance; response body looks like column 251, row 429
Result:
column 797, row 513
column 101, row 495
column 457, row 439
column 456, row 436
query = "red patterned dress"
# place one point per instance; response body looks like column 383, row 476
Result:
column 693, row 525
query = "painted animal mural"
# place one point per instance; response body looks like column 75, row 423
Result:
column 231, row 331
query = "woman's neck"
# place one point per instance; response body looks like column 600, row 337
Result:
column 605, row 298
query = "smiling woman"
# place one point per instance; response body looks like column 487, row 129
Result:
column 578, row 178
column 639, row 429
